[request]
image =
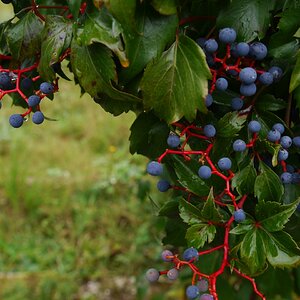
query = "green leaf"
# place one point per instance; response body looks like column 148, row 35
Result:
column 148, row 135
column 273, row 216
column 146, row 43
column 165, row 7
column 209, row 211
column 24, row 37
column 57, row 36
column 175, row 85
column 295, row 79
column 197, row 235
column 123, row 11
column 243, row 181
column 189, row 213
column 186, row 172
column 101, row 27
column 270, row 103
column 250, row 18
column 242, row 229
column 230, row 124
column 285, row 51
column 268, row 186
column 94, row 68
column 175, row 233
column 282, row 251
column 253, row 251
column 169, row 209
column 74, row 6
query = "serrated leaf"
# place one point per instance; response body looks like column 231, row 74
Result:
column 95, row 70
column 250, row 19
column 197, row 235
column 186, row 172
column 189, row 213
column 24, row 37
column 243, row 181
column 169, row 209
column 165, row 7
column 253, row 251
column 282, row 251
column 242, row 229
column 273, row 216
column 270, row 103
column 230, row 124
column 101, row 27
column 123, row 11
column 175, row 84
column 295, row 79
column 268, row 186
column 209, row 211
column 148, row 135
column 57, row 36
column 146, row 43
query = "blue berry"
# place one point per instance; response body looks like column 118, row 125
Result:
column 258, row 50
column 279, row 127
column 16, row 120
column 224, row 164
column 163, row 185
column 239, row 146
column 232, row 72
column 295, row 178
column 221, row 84
column 227, row 35
column 266, row 78
column 38, row 117
column 5, row 81
column 273, row 135
column 46, row 88
column 202, row 285
column 296, row 141
column 248, row 89
column 173, row 140
column 237, row 103
column 286, row 177
column 209, row 130
column 283, row 155
column 209, row 100
column 242, row 49
column 173, row 274
column 210, row 60
column 286, row 142
column 152, row 275
column 248, row 75
column 211, row 45
column 165, row 255
column 254, row 126
column 276, row 72
column 204, row 172
column 33, row 100
column 206, row 297
column 189, row 254
column 154, row 168
column 290, row 169
column 192, row 292
column 239, row 215
column 26, row 84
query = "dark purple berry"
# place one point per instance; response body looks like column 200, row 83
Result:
column 33, row 100
column 286, row 142
column 26, row 84
column 237, row 103
column 248, row 75
column 242, row 49
column 224, row 164
column 163, row 185
column 165, row 255
column 286, row 177
column 206, row 297
column 283, row 155
column 273, row 135
column 38, row 118
column 279, row 127
column 211, row 45
column 173, row 274
column 173, row 140
column 47, row 88
column 248, row 89
column 209, row 100
column 258, row 50
column 221, row 84
column 204, row 172
column 189, row 254
column 152, row 275
column 209, row 130
column 227, row 35
column 239, row 215
column 276, row 72
column 254, row 126
column 192, row 292
column 266, row 78
column 154, row 168
column 239, row 146
column 16, row 120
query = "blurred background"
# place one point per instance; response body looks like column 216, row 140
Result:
column 76, row 221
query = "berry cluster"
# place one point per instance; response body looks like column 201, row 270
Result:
column 204, row 285
column 238, row 63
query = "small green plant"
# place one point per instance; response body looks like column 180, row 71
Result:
column 216, row 89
